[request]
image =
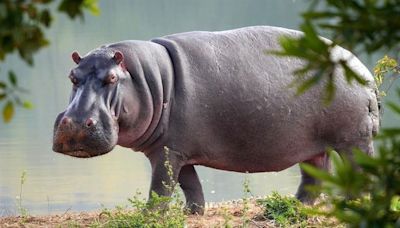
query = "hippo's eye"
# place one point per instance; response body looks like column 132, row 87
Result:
column 110, row 79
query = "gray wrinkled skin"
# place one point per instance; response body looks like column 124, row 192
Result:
column 214, row 99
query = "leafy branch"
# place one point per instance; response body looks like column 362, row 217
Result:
column 361, row 26
column 22, row 25
column 320, row 65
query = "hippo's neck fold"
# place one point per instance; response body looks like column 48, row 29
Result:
column 152, row 73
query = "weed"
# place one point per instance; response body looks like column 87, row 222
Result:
column 284, row 210
column 70, row 224
column 227, row 218
column 159, row 211
column 22, row 210
column 245, row 198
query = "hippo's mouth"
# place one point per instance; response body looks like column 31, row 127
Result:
column 77, row 153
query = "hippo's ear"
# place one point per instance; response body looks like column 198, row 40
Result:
column 118, row 57
column 76, row 57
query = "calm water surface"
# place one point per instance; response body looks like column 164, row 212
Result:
column 57, row 183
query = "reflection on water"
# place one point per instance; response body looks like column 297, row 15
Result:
column 57, row 183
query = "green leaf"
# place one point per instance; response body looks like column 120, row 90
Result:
column 12, row 78
column 350, row 74
column 330, row 90
column 71, row 8
column 365, row 160
column 391, row 131
column 8, row 112
column 3, row 85
column 45, row 18
column 75, row 8
column 27, row 105
column 307, row 84
column 92, row 6
column 335, row 157
column 394, row 107
column 317, row 173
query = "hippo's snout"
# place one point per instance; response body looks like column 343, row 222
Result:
column 83, row 138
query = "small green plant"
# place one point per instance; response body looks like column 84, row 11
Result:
column 22, row 210
column 246, row 195
column 158, row 212
column 284, row 210
column 227, row 218
column 145, row 214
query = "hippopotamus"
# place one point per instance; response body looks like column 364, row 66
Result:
column 215, row 99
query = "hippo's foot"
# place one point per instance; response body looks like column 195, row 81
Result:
column 191, row 186
column 320, row 161
column 194, row 209
column 306, row 197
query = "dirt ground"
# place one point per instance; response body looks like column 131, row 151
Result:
column 215, row 216
column 228, row 214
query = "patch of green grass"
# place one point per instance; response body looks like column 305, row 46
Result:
column 284, row 210
column 158, row 212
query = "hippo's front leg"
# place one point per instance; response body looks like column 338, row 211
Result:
column 165, row 170
column 191, row 186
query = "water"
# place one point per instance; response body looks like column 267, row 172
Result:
column 57, row 183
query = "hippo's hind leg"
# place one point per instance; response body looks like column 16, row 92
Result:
column 320, row 161
column 191, row 186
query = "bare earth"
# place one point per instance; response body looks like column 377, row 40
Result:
column 215, row 216
column 220, row 215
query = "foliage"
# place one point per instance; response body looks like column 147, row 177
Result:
column 319, row 62
column 22, row 25
column 361, row 26
column 284, row 210
column 22, row 210
column 10, row 93
column 368, row 194
column 383, row 67
column 245, row 198
column 227, row 218
column 159, row 211
column 146, row 214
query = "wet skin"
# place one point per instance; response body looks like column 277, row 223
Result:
column 213, row 99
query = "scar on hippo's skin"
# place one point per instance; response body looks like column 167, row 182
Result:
column 76, row 57
column 125, row 109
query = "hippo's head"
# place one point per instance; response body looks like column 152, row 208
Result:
column 89, row 125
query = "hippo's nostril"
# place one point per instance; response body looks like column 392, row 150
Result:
column 90, row 122
column 66, row 121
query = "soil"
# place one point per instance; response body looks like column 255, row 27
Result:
column 218, row 215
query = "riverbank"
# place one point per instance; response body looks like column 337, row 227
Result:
column 217, row 216
column 229, row 214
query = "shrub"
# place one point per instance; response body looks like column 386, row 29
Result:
column 284, row 210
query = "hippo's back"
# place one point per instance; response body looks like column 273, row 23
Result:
column 233, row 103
